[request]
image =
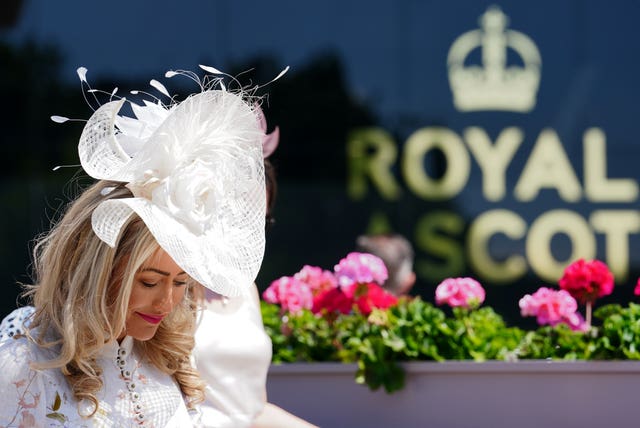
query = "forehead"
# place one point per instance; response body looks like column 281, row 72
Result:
column 161, row 260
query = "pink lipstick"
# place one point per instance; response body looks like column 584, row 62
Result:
column 153, row 319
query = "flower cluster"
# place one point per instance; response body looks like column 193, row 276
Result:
column 356, row 282
column 582, row 281
column 586, row 281
column 463, row 292
column 552, row 307
column 411, row 329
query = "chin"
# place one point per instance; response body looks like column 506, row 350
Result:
column 142, row 336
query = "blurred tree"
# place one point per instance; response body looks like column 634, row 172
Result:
column 10, row 13
column 315, row 111
column 32, row 91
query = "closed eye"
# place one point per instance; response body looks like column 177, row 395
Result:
column 149, row 284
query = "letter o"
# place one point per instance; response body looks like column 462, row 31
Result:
column 455, row 152
column 543, row 229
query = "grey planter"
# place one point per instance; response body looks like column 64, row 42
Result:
column 523, row 394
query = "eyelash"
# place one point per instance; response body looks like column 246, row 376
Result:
column 153, row 284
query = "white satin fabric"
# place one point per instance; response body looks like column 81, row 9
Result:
column 232, row 355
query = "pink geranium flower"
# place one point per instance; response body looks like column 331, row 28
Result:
column 464, row 292
column 636, row 290
column 361, row 268
column 290, row 293
column 356, row 283
column 552, row 307
column 587, row 280
column 316, row 278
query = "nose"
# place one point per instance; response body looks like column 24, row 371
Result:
column 163, row 301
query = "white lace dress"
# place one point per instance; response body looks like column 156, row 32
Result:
column 134, row 394
column 232, row 355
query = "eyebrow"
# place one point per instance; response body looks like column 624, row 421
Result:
column 161, row 272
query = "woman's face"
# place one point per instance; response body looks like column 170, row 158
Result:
column 158, row 286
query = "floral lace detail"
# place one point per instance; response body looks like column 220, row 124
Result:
column 43, row 398
column 27, row 401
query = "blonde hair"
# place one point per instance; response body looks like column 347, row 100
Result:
column 81, row 294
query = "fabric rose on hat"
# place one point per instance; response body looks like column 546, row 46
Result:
column 190, row 196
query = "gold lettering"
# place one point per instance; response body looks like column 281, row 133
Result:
column 435, row 234
column 493, row 159
column 617, row 226
column 597, row 186
column 378, row 224
column 458, row 163
column 482, row 229
column 543, row 229
column 371, row 152
column 548, row 167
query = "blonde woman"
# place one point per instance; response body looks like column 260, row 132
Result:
column 180, row 201
column 99, row 311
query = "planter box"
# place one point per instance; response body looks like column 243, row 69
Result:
column 523, row 394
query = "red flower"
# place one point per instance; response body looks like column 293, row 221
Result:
column 358, row 275
column 587, row 280
column 373, row 296
column 332, row 300
column 364, row 296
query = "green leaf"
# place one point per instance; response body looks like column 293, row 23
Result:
column 56, row 403
column 57, row 416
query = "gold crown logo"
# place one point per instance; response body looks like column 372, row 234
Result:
column 494, row 85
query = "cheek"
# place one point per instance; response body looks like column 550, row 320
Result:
column 178, row 296
column 140, row 297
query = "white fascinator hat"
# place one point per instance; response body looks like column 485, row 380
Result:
column 196, row 172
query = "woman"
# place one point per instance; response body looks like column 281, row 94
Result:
column 180, row 200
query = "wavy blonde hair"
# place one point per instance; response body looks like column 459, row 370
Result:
column 81, row 294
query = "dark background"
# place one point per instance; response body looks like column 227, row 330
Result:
column 353, row 64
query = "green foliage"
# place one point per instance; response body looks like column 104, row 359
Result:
column 556, row 343
column 414, row 330
column 619, row 336
column 299, row 337
column 481, row 335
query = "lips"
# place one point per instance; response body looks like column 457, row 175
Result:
column 153, row 319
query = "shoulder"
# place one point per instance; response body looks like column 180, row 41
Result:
column 16, row 356
column 15, row 322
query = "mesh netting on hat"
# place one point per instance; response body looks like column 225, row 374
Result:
column 197, row 177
